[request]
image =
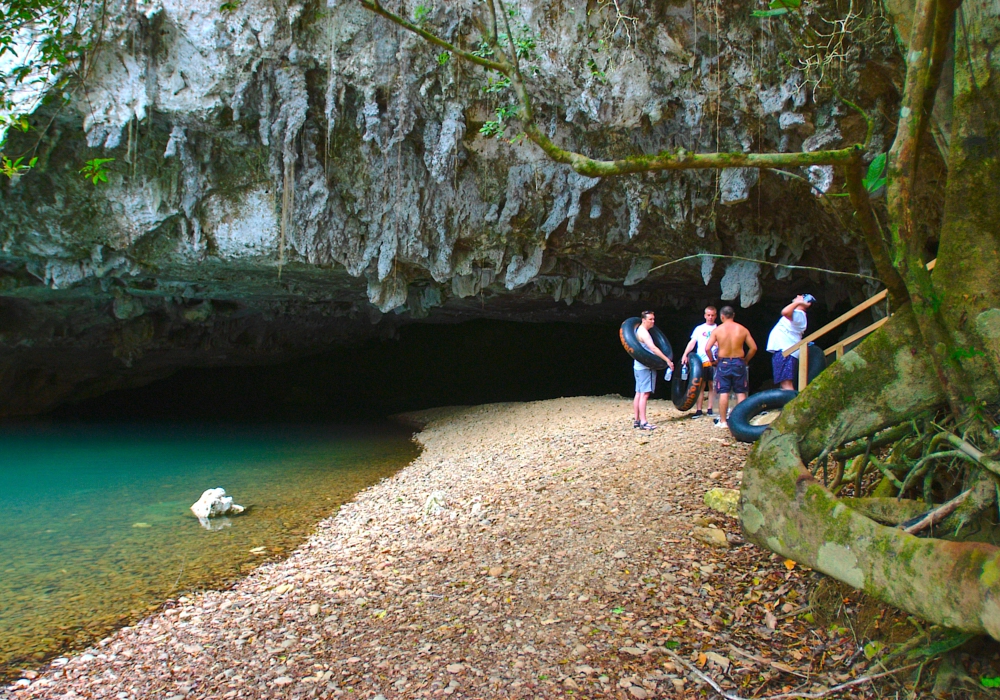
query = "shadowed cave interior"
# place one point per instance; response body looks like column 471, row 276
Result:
column 423, row 366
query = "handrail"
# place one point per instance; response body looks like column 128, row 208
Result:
column 803, row 345
column 840, row 345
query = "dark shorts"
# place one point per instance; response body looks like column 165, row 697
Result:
column 731, row 376
column 708, row 372
column 784, row 368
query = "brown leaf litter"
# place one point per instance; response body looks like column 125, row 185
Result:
column 540, row 549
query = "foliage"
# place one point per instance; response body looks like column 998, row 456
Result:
column 43, row 42
column 17, row 167
column 230, row 6
column 96, row 169
column 777, row 8
column 498, row 127
column 421, row 13
column 876, row 177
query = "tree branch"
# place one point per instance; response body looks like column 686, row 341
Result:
column 376, row 7
column 936, row 515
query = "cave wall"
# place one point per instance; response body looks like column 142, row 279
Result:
column 309, row 172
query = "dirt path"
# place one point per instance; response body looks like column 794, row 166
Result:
column 532, row 550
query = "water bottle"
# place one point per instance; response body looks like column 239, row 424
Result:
column 668, row 374
column 684, row 372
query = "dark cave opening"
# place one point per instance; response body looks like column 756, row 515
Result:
column 424, row 365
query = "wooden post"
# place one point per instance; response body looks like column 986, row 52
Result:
column 803, row 367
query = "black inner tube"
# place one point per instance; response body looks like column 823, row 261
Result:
column 684, row 392
column 634, row 348
column 753, row 406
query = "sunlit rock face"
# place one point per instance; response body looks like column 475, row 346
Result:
column 291, row 175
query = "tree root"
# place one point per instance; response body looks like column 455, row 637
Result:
column 784, row 508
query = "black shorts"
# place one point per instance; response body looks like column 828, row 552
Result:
column 731, row 376
column 708, row 372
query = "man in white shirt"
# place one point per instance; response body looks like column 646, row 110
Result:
column 699, row 338
column 786, row 333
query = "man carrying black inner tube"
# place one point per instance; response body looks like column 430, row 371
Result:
column 699, row 339
column 786, row 333
column 731, row 374
column 645, row 378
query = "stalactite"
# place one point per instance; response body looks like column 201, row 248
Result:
column 287, row 209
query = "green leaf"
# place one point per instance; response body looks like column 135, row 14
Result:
column 993, row 682
column 876, row 173
column 942, row 645
column 671, row 644
column 873, row 649
column 618, row 611
column 443, row 58
column 788, row 4
column 769, row 13
column 95, row 169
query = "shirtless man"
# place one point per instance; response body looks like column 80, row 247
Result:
column 645, row 378
column 731, row 374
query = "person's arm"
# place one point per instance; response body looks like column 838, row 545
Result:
column 712, row 342
column 752, row 345
column 797, row 302
column 643, row 335
column 688, row 349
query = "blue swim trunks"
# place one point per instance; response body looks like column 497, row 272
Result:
column 784, row 368
column 645, row 381
column 731, row 376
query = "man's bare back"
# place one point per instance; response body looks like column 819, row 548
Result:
column 730, row 336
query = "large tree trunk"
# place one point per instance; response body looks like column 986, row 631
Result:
column 890, row 378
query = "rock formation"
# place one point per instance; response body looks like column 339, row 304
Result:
column 288, row 175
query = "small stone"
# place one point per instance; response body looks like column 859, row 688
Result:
column 314, row 610
column 283, row 681
column 620, row 554
column 724, row 500
column 454, row 668
column 710, row 536
column 634, row 651
column 495, row 571
column 637, row 692
column 715, row 475
column 580, row 650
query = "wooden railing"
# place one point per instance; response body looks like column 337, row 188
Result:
column 803, row 345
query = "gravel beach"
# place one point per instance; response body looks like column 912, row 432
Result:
column 540, row 549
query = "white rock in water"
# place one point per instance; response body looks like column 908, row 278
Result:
column 215, row 502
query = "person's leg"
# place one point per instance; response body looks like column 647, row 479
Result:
column 710, row 370
column 643, row 400
column 635, row 407
column 723, row 406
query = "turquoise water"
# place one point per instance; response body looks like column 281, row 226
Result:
column 95, row 526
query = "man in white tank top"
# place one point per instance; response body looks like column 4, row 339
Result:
column 645, row 378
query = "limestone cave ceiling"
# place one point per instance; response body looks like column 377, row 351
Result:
column 287, row 176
